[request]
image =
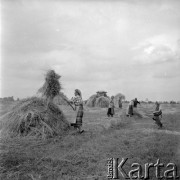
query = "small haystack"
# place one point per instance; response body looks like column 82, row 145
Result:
column 116, row 98
column 31, row 117
column 91, row 101
column 98, row 100
column 102, row 102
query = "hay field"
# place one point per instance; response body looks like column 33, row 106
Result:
column 84, row 156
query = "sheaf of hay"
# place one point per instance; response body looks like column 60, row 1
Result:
column 51, row 87
column 32, row 117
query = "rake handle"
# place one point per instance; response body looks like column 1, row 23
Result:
column 69, row 103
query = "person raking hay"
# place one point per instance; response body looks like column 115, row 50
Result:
column 78, row 103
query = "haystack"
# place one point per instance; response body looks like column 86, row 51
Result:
column 91, row 101
column 31, row 117
column 102, row 102
column 37, row 116
column 116, row 98
column 98, row 100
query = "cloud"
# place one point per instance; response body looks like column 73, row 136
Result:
column 157, row 50
column 90, row 44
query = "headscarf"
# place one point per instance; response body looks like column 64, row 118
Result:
column 78, row 92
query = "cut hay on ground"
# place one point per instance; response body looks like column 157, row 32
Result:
column 20, row 156
column 91, row 101
column 32, row 117
column 102, row 102
column 137, row 113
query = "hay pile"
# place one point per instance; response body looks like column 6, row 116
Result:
column 102, row 102
column 116, row 99
column 31, row 117
column 98, row 101
column 91, row 101
column 38, row 117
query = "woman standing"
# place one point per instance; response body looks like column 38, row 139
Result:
column 129, row 111
column 78, row 102
column 120, row 102
column 111, row 107
column 157, row 115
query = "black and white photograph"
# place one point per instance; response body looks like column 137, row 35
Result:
column 89, row 89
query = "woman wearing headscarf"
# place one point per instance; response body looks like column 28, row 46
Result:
column 135, row 110
column 157, row 114
column 129, row 111
column 111, row 107
column 78, row 102
column 120, row 102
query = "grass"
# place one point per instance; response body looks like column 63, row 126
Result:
column 85, row 156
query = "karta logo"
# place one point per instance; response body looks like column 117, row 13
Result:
column 116, row 170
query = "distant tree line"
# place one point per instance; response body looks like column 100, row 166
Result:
column 7, row 99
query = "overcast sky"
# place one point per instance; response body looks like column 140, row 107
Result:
column 131, row 47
